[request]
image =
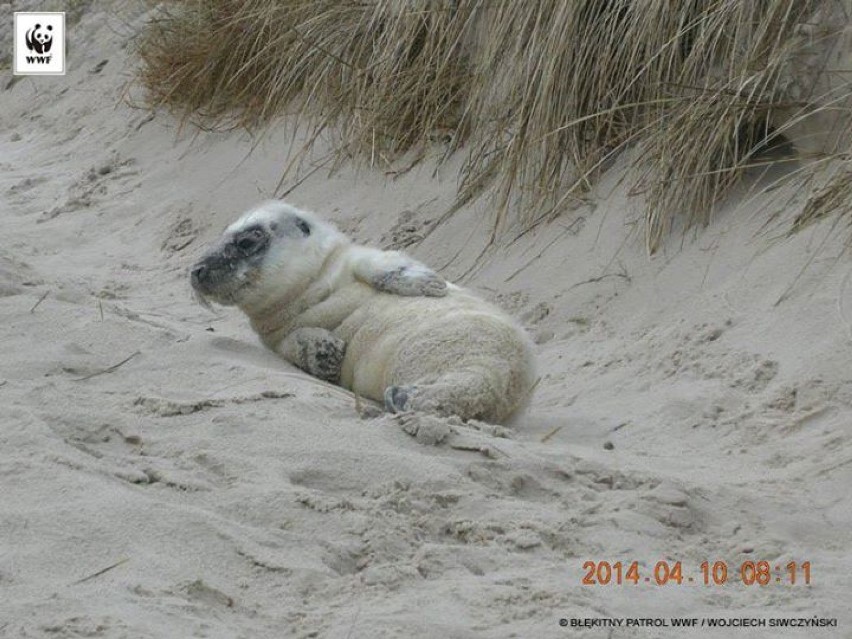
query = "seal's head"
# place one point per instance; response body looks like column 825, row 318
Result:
column 271, row 253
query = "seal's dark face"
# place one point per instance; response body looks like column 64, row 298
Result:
column 225, row 273
column 229, row 265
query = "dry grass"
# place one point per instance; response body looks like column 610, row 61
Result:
column 833, row 195
column 543, row 94
column 384, row 75
column 730, row 88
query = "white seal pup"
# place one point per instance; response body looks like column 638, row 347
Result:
column 376, row 322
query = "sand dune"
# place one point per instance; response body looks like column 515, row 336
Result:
column 684, row 412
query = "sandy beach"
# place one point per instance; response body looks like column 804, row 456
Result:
column 163, row 475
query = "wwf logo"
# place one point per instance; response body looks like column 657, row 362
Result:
column 39, row 39
column 39, row 43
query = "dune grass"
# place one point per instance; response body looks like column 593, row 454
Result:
column 542, row 96
column 382, row 76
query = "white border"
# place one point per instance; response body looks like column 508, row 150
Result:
column 15, row 42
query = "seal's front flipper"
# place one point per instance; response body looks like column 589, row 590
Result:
column 316, row 351
column 411, row 281
column 396, row 273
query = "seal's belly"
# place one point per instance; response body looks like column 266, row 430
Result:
column 362, row 318
column 373, row 335
column 333, row 310
column 378, row 327
column 377, row 331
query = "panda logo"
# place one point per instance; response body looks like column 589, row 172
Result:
column 38, row 39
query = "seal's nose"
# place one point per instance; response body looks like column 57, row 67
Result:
column 198, row 274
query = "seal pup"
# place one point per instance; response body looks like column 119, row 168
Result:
column 376, row 322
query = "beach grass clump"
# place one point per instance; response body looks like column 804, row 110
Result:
column 728, row 108
column 381, row 75
column 833, row 195
column 541, row 96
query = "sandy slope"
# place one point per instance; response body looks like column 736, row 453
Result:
column 690, row 417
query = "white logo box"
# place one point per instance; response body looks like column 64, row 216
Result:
column 39, row 43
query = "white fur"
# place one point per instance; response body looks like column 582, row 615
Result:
column 465, row 356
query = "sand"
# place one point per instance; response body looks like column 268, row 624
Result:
column 163, row 475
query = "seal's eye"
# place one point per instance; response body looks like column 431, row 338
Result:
column 251, row 240
column 247, row 243
column 303, row 226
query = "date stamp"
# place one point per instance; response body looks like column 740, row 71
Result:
column 707, row 573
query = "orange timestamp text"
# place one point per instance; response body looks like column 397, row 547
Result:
column 709, row 573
